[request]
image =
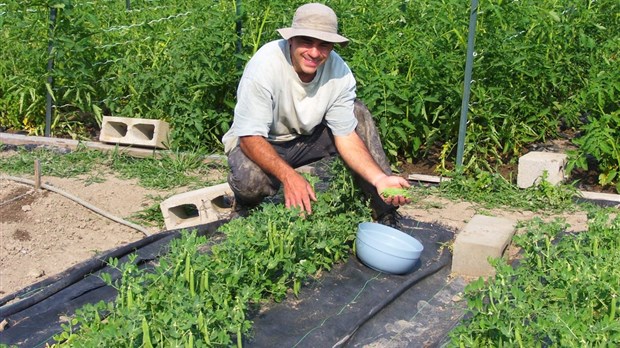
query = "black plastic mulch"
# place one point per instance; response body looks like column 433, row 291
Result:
column 353, row 305
column 350, row 305
column 35, row 314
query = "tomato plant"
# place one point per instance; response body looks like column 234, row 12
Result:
column 539, row 67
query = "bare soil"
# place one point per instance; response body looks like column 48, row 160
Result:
column 43, row 233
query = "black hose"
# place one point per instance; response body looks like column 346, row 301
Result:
column 442, row 261
column 48, row 287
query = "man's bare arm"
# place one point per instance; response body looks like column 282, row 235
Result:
column 297, row 191
column 356, row 155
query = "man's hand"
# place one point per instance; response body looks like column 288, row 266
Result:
column 298, row 193
column 355, row 154
column 392, row 182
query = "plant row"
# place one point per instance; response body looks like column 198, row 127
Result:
column 202, row 293
column 542, row 69
column 563, row 293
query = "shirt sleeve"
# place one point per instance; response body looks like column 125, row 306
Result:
column 340, row 117
column 254, row 109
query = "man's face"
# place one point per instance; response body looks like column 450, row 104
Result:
column 307, row 54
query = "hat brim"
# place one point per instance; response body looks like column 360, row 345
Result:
column 288, row 33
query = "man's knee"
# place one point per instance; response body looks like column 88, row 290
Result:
column 362, row 114
column 248, row 181
column 366, row 128
column 245, row 193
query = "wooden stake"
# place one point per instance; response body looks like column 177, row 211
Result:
column 37, row 175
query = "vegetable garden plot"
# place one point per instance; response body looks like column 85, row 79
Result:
column 341, row 308
column 364, row 334
column 43, row 307
column 35, row 314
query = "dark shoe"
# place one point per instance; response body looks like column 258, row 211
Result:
column 238, row 210
column 391, row 219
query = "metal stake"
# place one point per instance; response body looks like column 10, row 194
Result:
column 37, row 175
column 50, row 69
column 467, row 82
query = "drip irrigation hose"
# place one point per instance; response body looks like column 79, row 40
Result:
column 80, row 201
column 44, row 289
column 443, row 260
column 50, row 286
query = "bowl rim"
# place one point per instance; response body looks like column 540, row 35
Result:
column 412, row 244
column 367, row 233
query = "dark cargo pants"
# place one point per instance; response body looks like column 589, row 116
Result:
column 251, row 185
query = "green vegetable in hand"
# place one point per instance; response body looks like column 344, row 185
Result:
column 393, row 192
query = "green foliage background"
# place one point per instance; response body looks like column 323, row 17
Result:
column 541, row 67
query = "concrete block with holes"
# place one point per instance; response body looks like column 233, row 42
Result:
column 135, row 131
column 481, row 238
column 197, row 207
column 533, row 165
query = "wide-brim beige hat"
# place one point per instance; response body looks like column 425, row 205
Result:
column 317, row 21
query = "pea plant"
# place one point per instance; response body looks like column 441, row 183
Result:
column 493, row 190
column 201, row 293
column 563, row 293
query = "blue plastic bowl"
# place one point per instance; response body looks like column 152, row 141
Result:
column 386, row 249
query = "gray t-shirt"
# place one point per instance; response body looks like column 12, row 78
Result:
column 274, row 103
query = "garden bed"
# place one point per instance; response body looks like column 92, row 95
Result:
column 431, row 209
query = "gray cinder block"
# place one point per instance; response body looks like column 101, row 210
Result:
column 481, row 238
column 196, row 207
column 533, row 164
column 135, row 131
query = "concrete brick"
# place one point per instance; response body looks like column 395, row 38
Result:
column 533, row 164
column 196, row 207
column 481, row 238
column 135, row 131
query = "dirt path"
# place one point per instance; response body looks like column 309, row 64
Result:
column 43, row 233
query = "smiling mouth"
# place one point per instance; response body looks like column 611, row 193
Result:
column 311, row 62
